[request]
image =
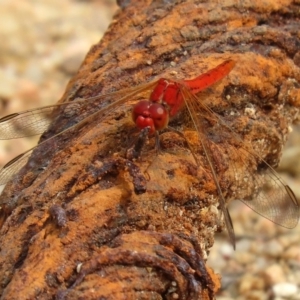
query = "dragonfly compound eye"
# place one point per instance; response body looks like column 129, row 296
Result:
column 147, row 113
column 159, row 115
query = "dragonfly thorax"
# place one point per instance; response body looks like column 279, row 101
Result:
column 167, row 92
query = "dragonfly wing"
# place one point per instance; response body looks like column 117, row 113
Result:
column 117, row 98
column 13, row 166
column 255, row 182
column 189, row 99
column 249, row 177
column 34, row 121
column 273, row 199
column 37, row 120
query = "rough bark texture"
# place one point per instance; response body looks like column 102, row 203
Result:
column 78, row 201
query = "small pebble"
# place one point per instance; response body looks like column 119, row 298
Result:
column 226, row 250
column 285, row 289
column 245, row 257
column 251, row 282
column 273, row 248
column 274, row 274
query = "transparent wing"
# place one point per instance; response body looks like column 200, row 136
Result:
column 26, row 123
column 190, row 99
column 13, row 166
column 33, row 117
column 255, row 182
column 36, row 121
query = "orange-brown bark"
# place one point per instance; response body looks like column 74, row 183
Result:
column 76, row 204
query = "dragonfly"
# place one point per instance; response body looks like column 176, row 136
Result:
column 264, row 191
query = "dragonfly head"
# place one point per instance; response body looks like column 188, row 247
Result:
column 147, row 113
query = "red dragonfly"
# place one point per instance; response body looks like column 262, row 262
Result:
column 271, row 197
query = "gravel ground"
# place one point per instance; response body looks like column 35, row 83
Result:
column 44, row 44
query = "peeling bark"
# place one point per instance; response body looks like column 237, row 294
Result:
column 76, row 205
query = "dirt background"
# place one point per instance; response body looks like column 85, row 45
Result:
column 44, row 43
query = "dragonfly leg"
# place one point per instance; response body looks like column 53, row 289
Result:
column 134, row 152
column 187, row 142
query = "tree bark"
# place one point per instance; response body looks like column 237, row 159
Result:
column 81, row 221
